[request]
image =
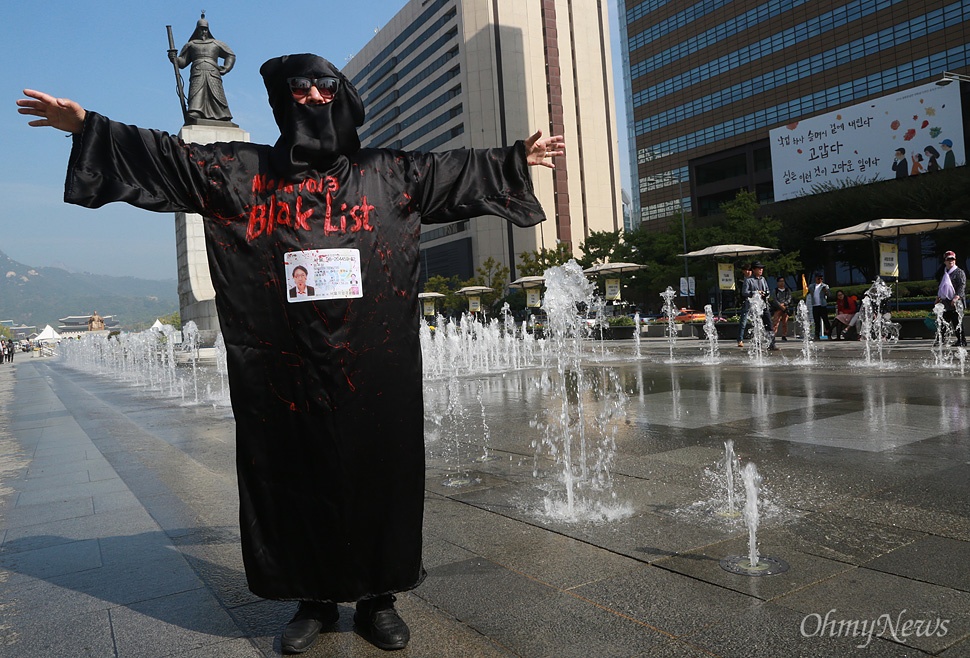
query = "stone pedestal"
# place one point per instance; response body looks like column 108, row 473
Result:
column 196, row 294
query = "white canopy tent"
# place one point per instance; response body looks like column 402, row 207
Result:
column 48, row 335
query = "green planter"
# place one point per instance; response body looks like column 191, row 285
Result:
column 914, row 328
column 614, row 333
column 725, row 330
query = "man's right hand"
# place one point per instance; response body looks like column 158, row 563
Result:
column 61, row 113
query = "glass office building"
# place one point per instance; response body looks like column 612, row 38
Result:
column 707, row 80
column 446, row 74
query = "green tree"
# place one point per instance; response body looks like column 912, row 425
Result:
column 616, row 247
column 658, row 250
column 451, row 304
column 494, row 275
column 744, row 225
column 535, row 263
column 604, row 247
column 174, row 319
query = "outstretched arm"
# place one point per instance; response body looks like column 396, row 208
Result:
column 61, row 113
column 538, row 148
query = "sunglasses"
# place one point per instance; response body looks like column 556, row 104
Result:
column 300, row 86
column 949, row 259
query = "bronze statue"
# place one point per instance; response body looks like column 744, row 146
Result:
column 95, row 322
column 207, row 99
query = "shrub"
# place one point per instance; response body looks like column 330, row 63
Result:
column 620, row 321
column 904, row 315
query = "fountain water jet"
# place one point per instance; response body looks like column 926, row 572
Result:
column 449, row 428
column 805, row 327
column 636, row 334
column 190, row 343
column 149, row 359
column 942, row 335
column 752, row 564
column 670, row 311
column 760, row 337
column 222, row 366
column 729, row 469
column 580, row 438
column 876, row 324
column 710, row 333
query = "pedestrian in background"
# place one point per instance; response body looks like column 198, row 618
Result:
column 755, row 286
column 745, row 305
column 818, row 297
column 781, row 304
column 953, row 283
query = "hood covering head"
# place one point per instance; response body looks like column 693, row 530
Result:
column 311, row 136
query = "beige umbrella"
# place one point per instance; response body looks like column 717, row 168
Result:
column 474, row 290
column 889, row 228
column 432, row 296
column 730, row 251
column 528, row 282
column 613, row 268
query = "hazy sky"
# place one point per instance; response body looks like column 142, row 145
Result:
column 110, row 56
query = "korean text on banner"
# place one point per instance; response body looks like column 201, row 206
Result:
column 725, row 276
column 888, row 260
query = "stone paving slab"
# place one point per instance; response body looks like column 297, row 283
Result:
column 773, row 630
column 836, row 537
column 863, row 594
column 118, row 517
column 931, row 559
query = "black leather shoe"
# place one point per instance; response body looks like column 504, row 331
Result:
column 379, row 623
column 310, row 618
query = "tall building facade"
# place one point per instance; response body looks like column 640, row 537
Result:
column 450, row 74
column 707, row 80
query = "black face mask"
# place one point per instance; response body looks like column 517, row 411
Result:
column 311, row 136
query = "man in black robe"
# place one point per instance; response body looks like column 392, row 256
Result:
column 326, row 391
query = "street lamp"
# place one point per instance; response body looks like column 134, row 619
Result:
column 664, row 181
column 949, row 77
column 683, row 232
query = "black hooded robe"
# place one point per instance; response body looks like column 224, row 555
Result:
column 326, row 393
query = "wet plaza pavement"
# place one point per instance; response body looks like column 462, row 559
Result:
column 119, row 530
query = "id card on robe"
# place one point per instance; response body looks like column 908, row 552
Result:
column 322, row 274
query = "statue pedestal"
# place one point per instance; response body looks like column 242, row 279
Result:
column 196, row 294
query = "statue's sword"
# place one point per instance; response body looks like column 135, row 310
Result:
column 178, row 76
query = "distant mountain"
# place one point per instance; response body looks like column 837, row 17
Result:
column 39, row 296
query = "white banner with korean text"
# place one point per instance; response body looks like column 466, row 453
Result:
column 908, row 133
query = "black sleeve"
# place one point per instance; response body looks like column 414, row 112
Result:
column 149, row 169
column 467, row 183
